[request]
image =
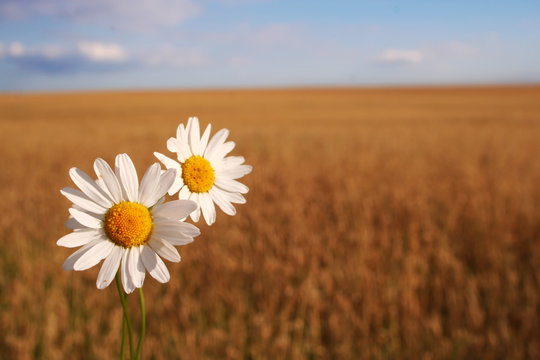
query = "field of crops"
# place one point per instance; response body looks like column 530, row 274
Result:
column 380, row 224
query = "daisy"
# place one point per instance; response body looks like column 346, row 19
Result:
column 128, row 225
column 204, row 173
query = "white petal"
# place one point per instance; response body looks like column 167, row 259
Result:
column 195, row 215
column 102, row 186
column 184, row 152
column 195, row 137
column 125, row 171
column 109, row 268
column 221, row 201
column 86, row 219
column 176, row 209
column 215, row 144
column 160, row 201
column 180, row 131
column 172, row 235
column 228, row 162
column 140, row 266
column 70, row 261
column 223, row 151
column 135, row 267
column 79, row 238
column 127, row 282
column 208, row 208
column 168, row 162
column 165, row 182
column 73, row 224
column 94, row 255
column 177, row 184
column 235, row 198
column 155, row 266
column 190, row 124
column 105, row 173
column 231, row 185
column 164, row 249
column 220, row 153
column 188, row 127
column 80, row 199
column 172, row 164
column 184, row 193
column 234, row 172
column 204, row 138
column 177, row 227
column 90, row 188
column 75, row 206
column 172, row 145
column 149, row 184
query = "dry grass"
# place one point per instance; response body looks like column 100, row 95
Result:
column 380, row 224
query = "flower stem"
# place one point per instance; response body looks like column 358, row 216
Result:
column 143, row 324
column 127, row 322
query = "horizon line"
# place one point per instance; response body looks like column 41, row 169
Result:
column 241, row 88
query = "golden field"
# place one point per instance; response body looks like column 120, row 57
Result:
column 380, row 224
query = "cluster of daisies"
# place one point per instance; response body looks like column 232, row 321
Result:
column 128, row 224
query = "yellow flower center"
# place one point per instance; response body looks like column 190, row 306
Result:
column 128, row 224
column 198, row 174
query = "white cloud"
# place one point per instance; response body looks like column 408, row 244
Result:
column 100, row 52
column 16, row 49
column 94, row 56
column 398, row 56
column 87, row 56
column 140, row 15
column 92, row 51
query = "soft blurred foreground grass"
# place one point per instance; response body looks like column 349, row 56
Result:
column 379, row 224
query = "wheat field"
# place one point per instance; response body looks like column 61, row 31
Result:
column 380, row 224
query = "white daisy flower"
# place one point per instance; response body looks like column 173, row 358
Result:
column 128, row 225
column 204, row 173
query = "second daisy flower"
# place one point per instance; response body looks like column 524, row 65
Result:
column 205, row 174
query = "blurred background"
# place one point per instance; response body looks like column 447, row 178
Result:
column 394, row 205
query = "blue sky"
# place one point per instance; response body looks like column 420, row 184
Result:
column 123, row 44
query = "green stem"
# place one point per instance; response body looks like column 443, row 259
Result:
column 127, row 322
column 143, row 325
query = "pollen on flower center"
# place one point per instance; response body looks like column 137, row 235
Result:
column 128, row 224
column 198, row 174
